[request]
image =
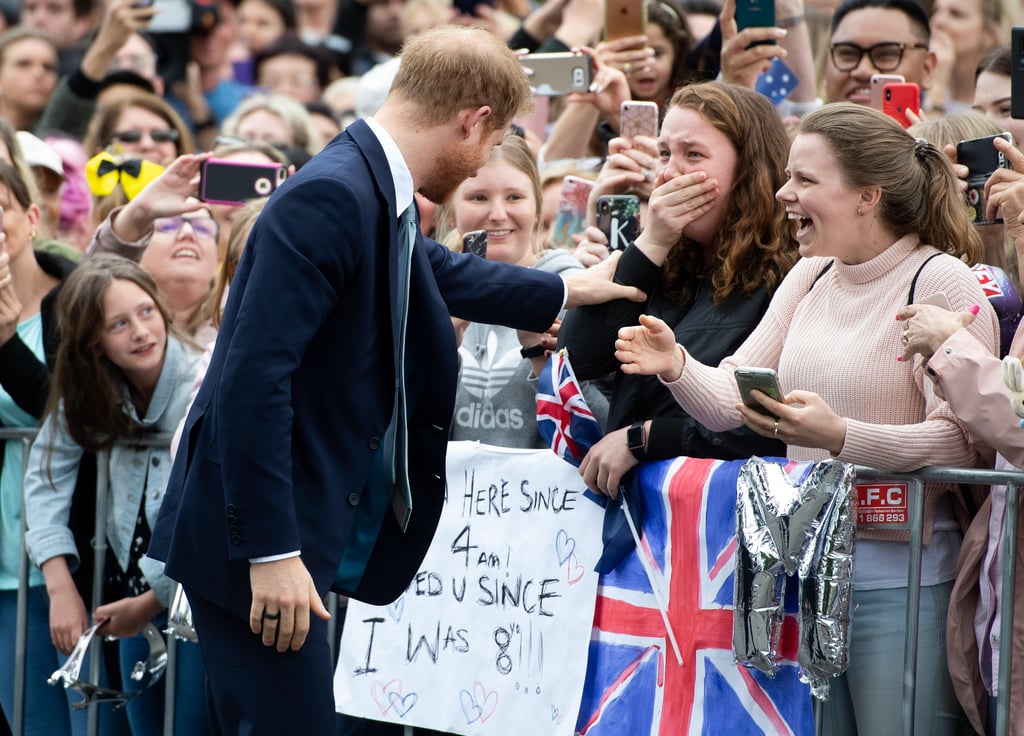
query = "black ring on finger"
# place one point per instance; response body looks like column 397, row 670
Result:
column 272, row 616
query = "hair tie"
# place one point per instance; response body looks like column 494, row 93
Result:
column 921, row 148
column 103, row 172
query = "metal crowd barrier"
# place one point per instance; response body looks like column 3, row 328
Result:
column 915, row 481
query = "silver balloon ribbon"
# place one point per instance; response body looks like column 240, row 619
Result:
column 781, row 529
column 179, row 618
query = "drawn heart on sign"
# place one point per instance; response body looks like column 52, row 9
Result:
column 396, row 609
column 478, row 705
column 554, row 715
column 576, row 570
column 402, row 705
column 470, row 709
column 382, row 692
column 564, row 546
column 488, row 700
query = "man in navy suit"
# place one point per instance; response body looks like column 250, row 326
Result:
column 273, row 499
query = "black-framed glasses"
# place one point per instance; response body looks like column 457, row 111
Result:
column 885, row 57
column 160, row 135
column 200, row 224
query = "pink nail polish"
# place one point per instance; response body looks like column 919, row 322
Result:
column 897, row 318
column 899, row 358
column 975, row 308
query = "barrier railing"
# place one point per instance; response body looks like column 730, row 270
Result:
column 915, row 481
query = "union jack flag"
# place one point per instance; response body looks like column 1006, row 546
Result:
column 634, row 684
column 563, row 417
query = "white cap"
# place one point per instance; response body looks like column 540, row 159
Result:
column 39, row 153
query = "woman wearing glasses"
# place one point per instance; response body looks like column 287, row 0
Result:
column 174, row 238
column 139, row 124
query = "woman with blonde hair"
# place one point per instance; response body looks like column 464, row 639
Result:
column 274, row 119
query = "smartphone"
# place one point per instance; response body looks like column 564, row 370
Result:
column 571, row 217
column 475, row 242
column 173, row 16
column 222, row 181
column 897, row 98
column 558, row 73
column 624, row 18
column 468, row 7
column 938, row 299
column 764, row 380
column 638, row 118
column 756, row 14
column 1017, row 73
column 618, row 217
column 981, row 159
column 878, row 82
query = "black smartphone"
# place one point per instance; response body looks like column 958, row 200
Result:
column 223, row 181
column 475, row 242
column 468, row 7
column 764, row 380
column 756, row 14
column 981, row 159
column 558, row 73
column 1017, row 73
column 618, row 217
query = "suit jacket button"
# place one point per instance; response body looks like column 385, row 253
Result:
column 353, row 499
column 232, row 519
column 374, row 443
column 231, row 508
column 235, row 539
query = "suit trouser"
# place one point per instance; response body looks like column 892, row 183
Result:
column 255, row 690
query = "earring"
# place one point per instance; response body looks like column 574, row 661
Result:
column 860, row 212
column 32, row 235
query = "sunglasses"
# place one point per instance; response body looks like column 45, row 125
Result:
column 201, row 225
column 167, row 135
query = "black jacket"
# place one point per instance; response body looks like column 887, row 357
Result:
column 709, row 332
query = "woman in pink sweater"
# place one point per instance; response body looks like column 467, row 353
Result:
column 880, row 223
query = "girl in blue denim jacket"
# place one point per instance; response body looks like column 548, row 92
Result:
column 121, row 373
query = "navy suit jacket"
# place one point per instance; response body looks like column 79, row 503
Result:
column 277, row 449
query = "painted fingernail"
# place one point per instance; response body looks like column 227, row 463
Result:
column 975, row 308
column 899, row 358
column 897, row 318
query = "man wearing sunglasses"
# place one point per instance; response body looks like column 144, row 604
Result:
column 876, row 37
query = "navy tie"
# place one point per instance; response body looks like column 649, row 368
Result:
column 397, row 437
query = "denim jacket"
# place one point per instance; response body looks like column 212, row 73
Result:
column 133, row 471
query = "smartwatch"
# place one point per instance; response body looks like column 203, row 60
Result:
column 532, row 352
column 636, row 439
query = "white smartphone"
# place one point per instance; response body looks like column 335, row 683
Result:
column 764, row 380
column 877, row 88
column 938, row 299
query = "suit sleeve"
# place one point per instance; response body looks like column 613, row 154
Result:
column 291, row 278
column 495, row 293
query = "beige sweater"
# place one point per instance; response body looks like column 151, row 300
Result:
column 840, row 340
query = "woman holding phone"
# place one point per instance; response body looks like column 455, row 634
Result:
column 720, row 265
column 868, row 201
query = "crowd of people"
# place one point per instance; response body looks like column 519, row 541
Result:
column 805, row 232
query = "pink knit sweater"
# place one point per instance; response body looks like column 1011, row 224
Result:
column 840, row 339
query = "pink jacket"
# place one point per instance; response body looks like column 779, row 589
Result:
column 970, row 378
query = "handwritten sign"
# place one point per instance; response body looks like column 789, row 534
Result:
column 491, row 636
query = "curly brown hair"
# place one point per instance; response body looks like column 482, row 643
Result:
column 754, row 248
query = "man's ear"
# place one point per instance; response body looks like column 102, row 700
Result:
column 473, row 117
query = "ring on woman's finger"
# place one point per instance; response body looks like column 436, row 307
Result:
column 775, row 430
column 904, row 339
column 626, row 68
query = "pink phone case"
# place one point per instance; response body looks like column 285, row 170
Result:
column 638, row 118
column 572, row 211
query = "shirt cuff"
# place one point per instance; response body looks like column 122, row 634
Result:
column 274, row 558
